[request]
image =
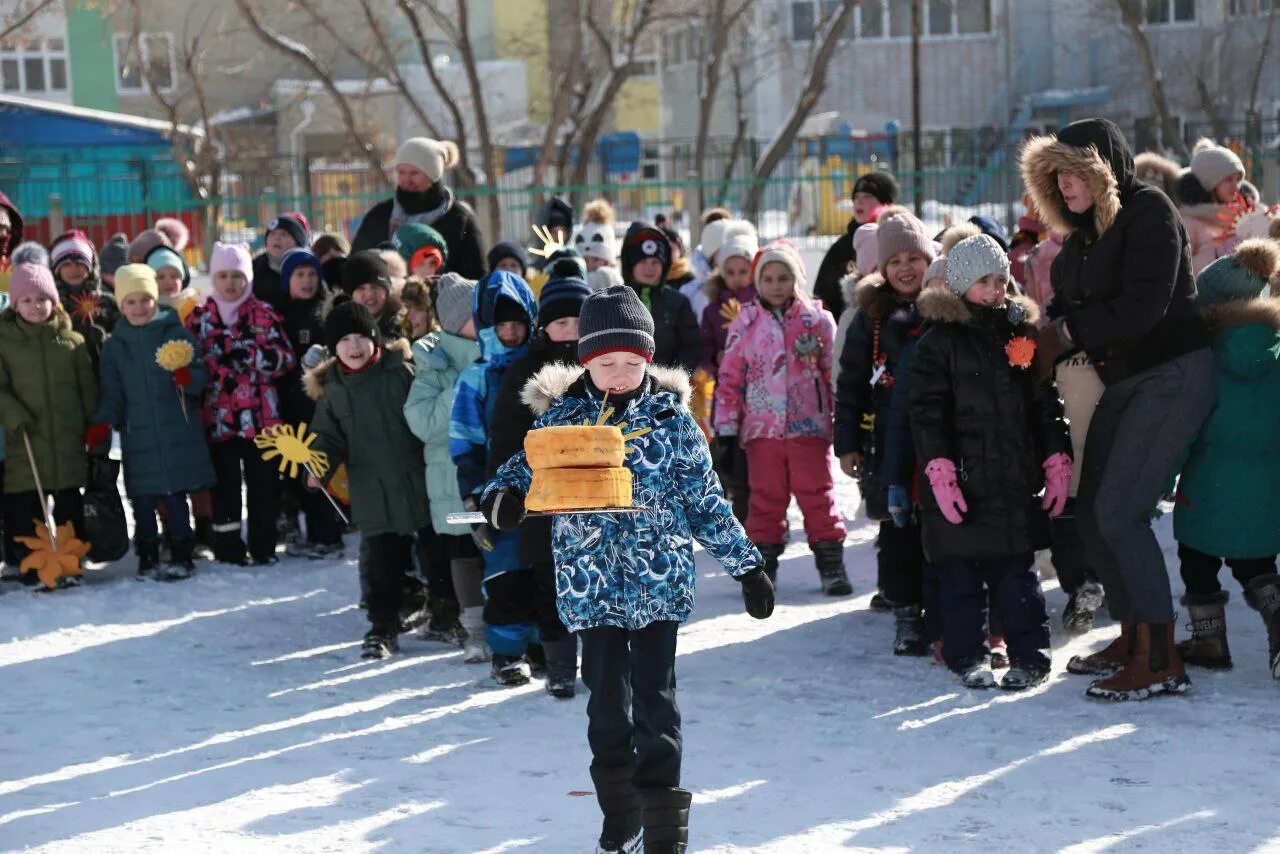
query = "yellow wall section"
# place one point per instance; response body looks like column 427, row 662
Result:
column 520, row 32
column 637, row 107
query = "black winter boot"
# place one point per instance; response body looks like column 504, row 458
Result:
column 204, row 539
column 771, row 552
column 181, row 564
column 666, row 820
column 413, row 603
column 829, row 556
column 562, row 667
column 620, row 803
column 148, row 557
column 1263, row 596
column 444, row 625
column 909, row 635
column 1207, row 646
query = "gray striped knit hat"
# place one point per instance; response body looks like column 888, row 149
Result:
column 614, row 319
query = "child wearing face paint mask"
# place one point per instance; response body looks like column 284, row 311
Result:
column 246, row 351
column 646, row 262
column 990, row 438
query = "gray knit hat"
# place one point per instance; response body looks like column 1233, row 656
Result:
column 902, row 233
column 454, row 296
column 1213, row 163
column 614, row 319
column 972, row 259
column 114, row 255
column 937, row 270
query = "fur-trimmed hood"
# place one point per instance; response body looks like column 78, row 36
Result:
column 873, row 296
column 942, row 306
column 555, row 380
column 313, row 381
column 1094, row 149
column 713, row 285
column 1156, row 170
column 1227, row 315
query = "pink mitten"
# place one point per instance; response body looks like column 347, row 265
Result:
column 942, row 478
column 1057, row 484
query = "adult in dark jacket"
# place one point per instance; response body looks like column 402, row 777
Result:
column 285, row 232
column 421, row 197
column 10, row 231
column 1124, row 287
column 556, row 340
column 646, row 261
column 872, row 193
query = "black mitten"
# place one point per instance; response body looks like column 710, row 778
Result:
column 757, row 593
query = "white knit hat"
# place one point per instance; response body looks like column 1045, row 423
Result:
column 432, row 156
column 782, row 252
column 742, row 244
column 716, row 234
column 1212, row 163
column 972, row 259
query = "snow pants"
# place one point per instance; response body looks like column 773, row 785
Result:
column 324, row 528
column 733, row 470
column 900, row 563
column 262, row 487
column 1200, row 571
column 963, row 586
column 385, row 559
column 632, row 717
column 520, row 609
column 781, row 468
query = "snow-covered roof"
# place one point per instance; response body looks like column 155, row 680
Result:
column 104, row 116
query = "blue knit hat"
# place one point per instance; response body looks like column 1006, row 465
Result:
column 1243, row 275
column 614, row 320
column 163, row 256
column 292, row 259
column 562, row 297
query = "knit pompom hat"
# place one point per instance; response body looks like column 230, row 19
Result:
column 1243, row 275
column 1212, row 163
column 614, row 320
column 114, row 255
column 866, row 247
column 294, row 223
column 741, row 244
column 454, row 295
column 349, row 318
column 937, row 270
column 30, row 252
column 231, row 256
column 416, row 241
column 27, row 279
column 901, row 232
column 562, row 297
column 972, row 259
column 73, row 245
column 432, row 156
column 163, row 256
column 136, row 279
column 784, row 253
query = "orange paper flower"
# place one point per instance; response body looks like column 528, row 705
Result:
column 52, row 561
column 1020, row 351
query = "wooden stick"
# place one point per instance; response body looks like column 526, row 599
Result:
column 332, row 500
column 44, row 500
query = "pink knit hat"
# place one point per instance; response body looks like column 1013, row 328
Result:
column 785, row 253
column 866, row 248
column 231, row 256
column 32, row 279
column 73, row 245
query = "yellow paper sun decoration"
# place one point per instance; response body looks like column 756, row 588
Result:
column 52, row 561
column 293, row 447
column 175, row 354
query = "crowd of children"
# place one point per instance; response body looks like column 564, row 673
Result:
column 961, row 378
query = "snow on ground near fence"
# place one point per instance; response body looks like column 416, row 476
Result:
column 231, row 712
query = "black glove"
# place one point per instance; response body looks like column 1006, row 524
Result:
column 757, row 593
column 485, row 537
column 727, row 446
column 235, row 357
column 504, row 509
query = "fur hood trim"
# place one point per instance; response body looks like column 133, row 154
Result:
column 849, row 289
column 1157, row 171
column 555, row 380
column 713, row 285
column 313, row 381
column 874, row 297
column 1044, row 157
column 942, row 306
column 1227, row 315
column 954, row 234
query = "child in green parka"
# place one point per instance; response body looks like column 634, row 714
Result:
column 360, row 394
column 1230, row 484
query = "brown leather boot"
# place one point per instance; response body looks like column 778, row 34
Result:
column 1154, row 668
column 1106, row 661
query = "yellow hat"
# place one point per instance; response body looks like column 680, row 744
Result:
column 136, row 279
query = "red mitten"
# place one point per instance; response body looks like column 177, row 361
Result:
column 97, row 434
column 182, row 377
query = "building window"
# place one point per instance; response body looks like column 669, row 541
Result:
column 154, row 53
column 1242, row 8
column 891, row 19
column 1170, row 11
column 802, row 20
column 34, row 67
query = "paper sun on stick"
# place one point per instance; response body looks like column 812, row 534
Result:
column 175, row 357
column 293, row 448
column 53, row 557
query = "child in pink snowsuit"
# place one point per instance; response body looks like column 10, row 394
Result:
column 774, row 397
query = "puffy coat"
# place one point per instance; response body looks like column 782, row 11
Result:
column 266, row 283
column 677, row 341
column 969, row 405
column 1230, row 485
column 456, row 223
column 630, row 570
column 304, row 326
column 438, row 359
column 1037, row 269
column 722, row 310
column 241, row 397
column 1209, row 231
column 92, row 310
column 506, row 434
column 1123, row 277
column 360, row 421
column 877, row 334
column 164, row 448
column 775, row 380
column 48, row 390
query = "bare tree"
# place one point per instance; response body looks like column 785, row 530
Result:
column 1133, row 13
column 1263, row 54
column 815, row 82
column 567, row 92
column 13, row 21
column 719, row 21
column 742, row 122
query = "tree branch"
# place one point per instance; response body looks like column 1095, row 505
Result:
column 24, row 18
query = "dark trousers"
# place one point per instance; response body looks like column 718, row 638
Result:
column 432, row 552
column 632, row 718
column 261, row 484
column 731, row 467
column 10, row 552
column 1070, row 558
column 899, row 563
column 384, row 561
column 1200, row 571
column 1138, row 432
column 176, row 518
column 963, row 587
column 22, row 510
column 324, row 528
column 516, row 602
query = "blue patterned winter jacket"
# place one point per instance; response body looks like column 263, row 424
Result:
column 630, row 570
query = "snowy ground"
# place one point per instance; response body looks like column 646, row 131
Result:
column 231, row 712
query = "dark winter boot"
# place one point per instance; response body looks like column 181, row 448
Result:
column 829, row 556
column 536, row 655
column 909, row 634
column 1077, row 617
column 1263, row 596
column 148, row 557
column 620, row 803
column 1207, row 646
column 562, row 666
column 204, row 539
column 771, row 552
column 510, row 671
column 379, row 643
column 444, row 626
column 666, row 820
column 1107, row 661
column 228, row 547
column 413, row 603
column 1154, row 668
column 181, row 564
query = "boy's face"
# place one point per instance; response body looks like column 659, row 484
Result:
column 777, row 283
column 279, row 241
column 905, row 272
column 34, row 308
column 355, row 351
column 169, row 281
column 138, row 309
column 988, row 291
column 230, row 285
column 511, row 332
column 736, row 272
column 564, row 329
column 304, row 282
column 419, row 322
column 511, row 265
column 865, row 207
column 73, row 272
column 618, row 372
column 372, row 297
column 647, row 271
